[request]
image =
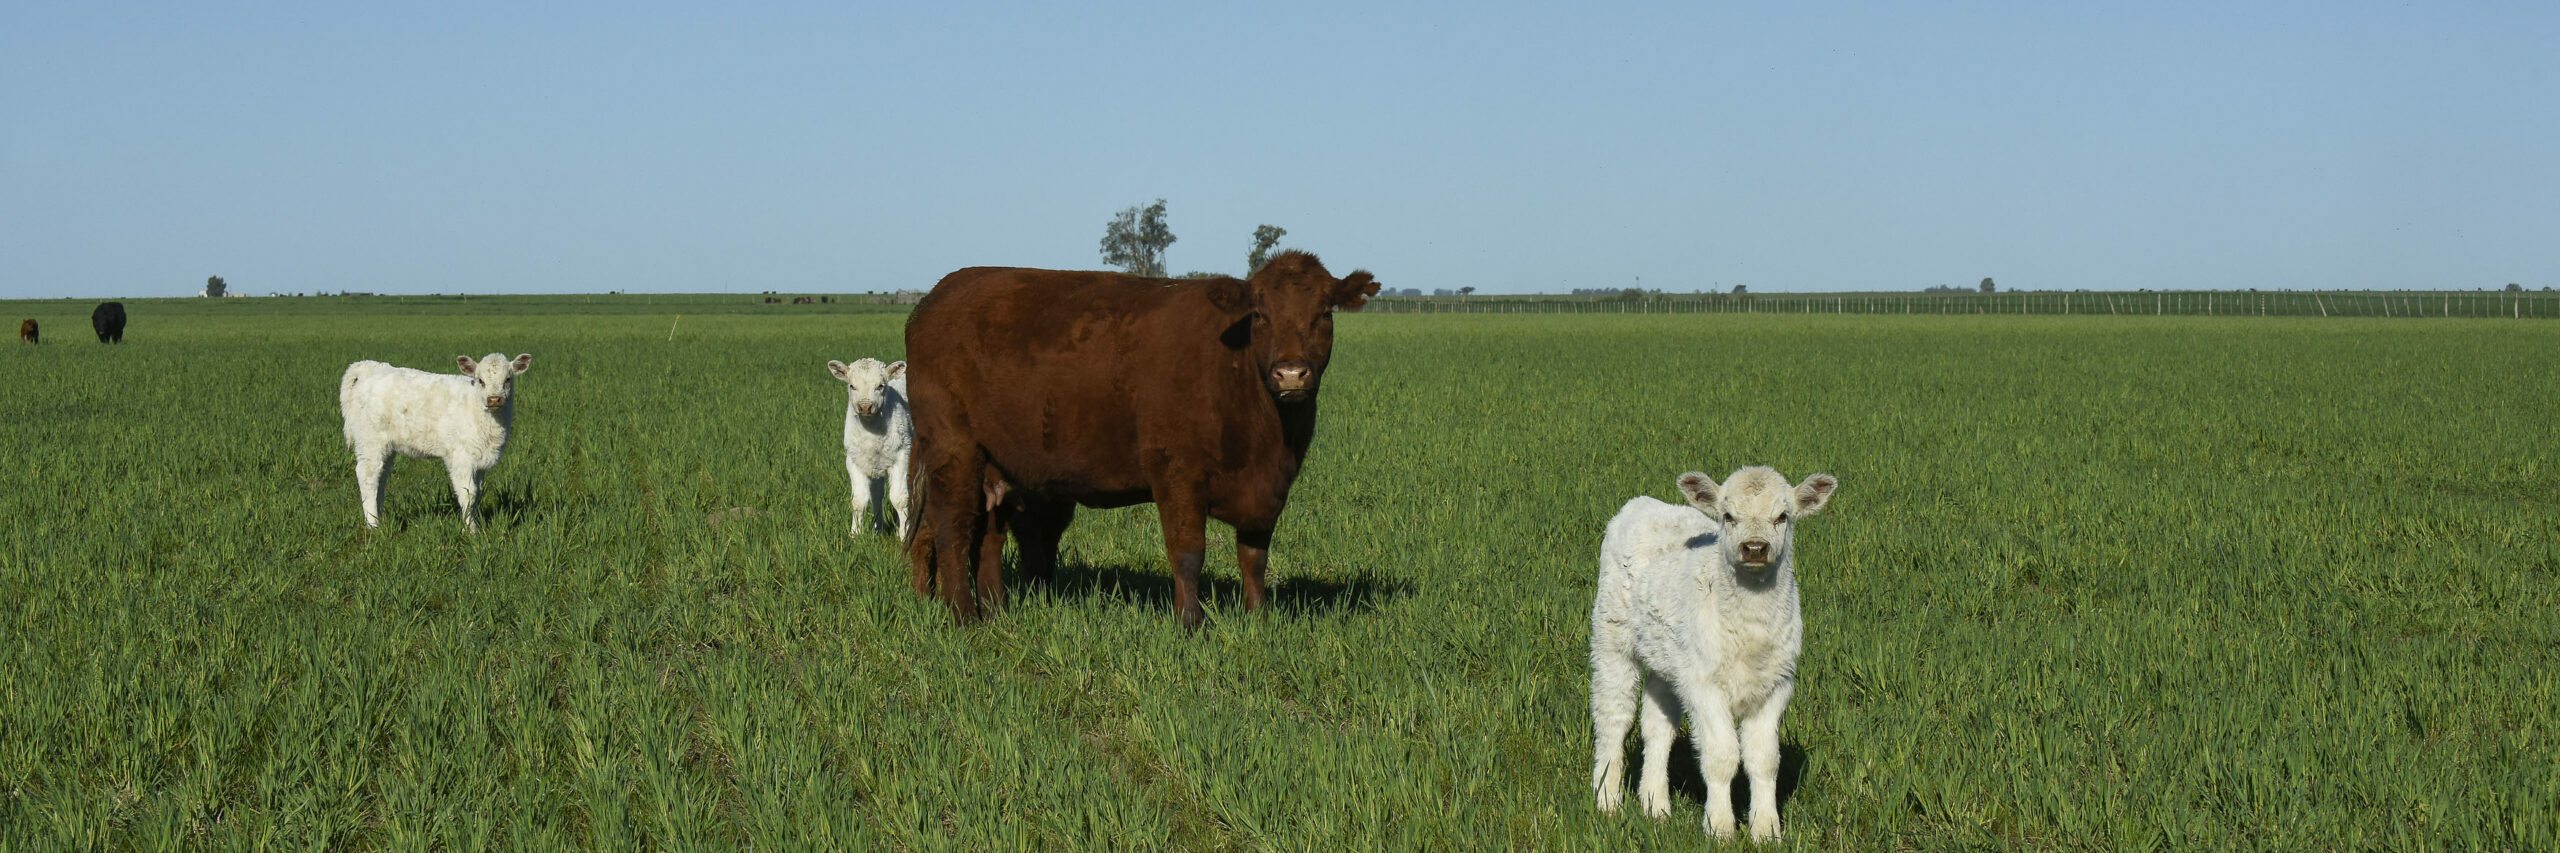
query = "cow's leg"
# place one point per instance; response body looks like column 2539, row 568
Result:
column 373, row 470
column 1036, row 531
column 991, row 557
column 1253, row 550
column 957, row 521
column 1184, row 541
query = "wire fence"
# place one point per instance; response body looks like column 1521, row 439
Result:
column 2202, row 303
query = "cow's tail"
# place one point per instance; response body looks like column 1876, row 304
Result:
column 917, row 484
column 919, row 541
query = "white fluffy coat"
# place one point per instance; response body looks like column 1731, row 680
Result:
column 1681, row 611
column 396, row 410
column 879, row 437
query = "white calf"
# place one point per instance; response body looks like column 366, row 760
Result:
column 460, row 419
column 879, row 434
column 1698, row 603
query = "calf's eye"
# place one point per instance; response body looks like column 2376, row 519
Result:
column 1782, row 518
column 1728, row 518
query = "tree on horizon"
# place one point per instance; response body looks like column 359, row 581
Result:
column 1136, row 239
column 1264, row 237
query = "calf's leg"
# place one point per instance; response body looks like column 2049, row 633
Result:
column 1661, row 721
column 1760, row 762
column 1613, row 688
column 466, row 491
column 373, row 470
column 861, row 496
column 898, row 497
column 1719, row 753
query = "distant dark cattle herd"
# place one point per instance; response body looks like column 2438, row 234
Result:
column 108, row 320
column 1038, row 391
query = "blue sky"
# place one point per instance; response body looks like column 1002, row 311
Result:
column 832, row 147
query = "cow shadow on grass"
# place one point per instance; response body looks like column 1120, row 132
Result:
column 1152, row 586
column 1691, row 787
column 510, row 505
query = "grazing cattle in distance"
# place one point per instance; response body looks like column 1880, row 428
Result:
column 462, row 420
column 108, row 320
column 1038, row 391
column 27, row 331
column 803, row 300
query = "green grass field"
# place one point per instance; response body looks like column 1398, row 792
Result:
column 2089, row 583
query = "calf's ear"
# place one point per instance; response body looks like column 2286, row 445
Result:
column 839, row 369
column 1700, row 490
column 467, row 363
column 1354, row 291
column 523, row 362
column 896, row 368
column 1815, row 493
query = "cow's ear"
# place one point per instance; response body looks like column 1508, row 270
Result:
column 1700, row 490
column 1354, row 290
column 1231, row 297
column 467, row 363
column 839, row 369
column 1239, row 334
column 523, row 362
column 896, row 368
column 1815, row 493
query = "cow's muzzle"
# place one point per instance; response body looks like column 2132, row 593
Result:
column 495, row 402
column 1293, row 381
column 866, row 409
column 1755, row 554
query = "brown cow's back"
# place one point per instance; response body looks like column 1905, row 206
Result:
column 1066, row 377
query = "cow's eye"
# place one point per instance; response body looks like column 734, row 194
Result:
column 1728, row 518
column 1782, row 518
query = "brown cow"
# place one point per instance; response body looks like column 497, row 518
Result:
column 1038, row 391
column 27, row 331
